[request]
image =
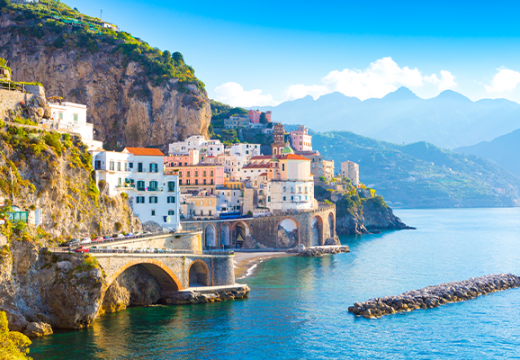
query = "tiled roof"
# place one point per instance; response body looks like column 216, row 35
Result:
column 293, row 157
column 144, row 151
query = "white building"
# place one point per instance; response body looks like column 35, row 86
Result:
column 72, row 118
column 197, row 142
column 153, row 195
column 236, row 121
column 229, row 200
column 249, row 150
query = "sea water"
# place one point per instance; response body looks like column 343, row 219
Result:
column 297, row 308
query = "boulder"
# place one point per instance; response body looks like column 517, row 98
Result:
column 37, row 329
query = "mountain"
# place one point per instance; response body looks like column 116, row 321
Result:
column 421, row 174
column 449, row 120
column 504, row 150
column 136, row 95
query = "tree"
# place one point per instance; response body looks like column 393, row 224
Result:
column 263, row 118
column 5, row 3
column 13, row 345
column 323, row 179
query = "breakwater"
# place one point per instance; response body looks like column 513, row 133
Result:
column 435, row 296
column 319, row 251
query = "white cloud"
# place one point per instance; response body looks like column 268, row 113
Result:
column 378, row 79
column 234, row 94
column 381, row 77
column 503, row 81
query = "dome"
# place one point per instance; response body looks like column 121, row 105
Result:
column 287, row 149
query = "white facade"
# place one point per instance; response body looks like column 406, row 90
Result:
column 249, row 150
column 113, row 167
column 289, row 195
column 229, row 200
column 72, row 118
column 197, row 142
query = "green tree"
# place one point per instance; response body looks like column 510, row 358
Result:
column 4, row 3
column 323, row 179
column 263, row 118
column 13, row 345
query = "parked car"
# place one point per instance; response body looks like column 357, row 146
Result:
column 98, row 239
column 130, row 235
column 139, row 233
column 147, row 233
column 85, row 241
column 120, row 236
column 73, row 242
column 107, row 238
column 81, row 249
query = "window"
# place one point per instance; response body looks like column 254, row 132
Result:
column 126, row 166
column 112, row 166
column 60, row 115
column 189, row 174
column 210, row 212
column 140, row 167
column 180, row 174
column 140, row 199
column 97, row 165
column 153, row 186
column 131, row 165
column 171, row 212
column 140, row 185
column 268, row 199
column 196, row 181
column 188, row 182
column 201, row 203
column 171, row 199
column 211, row 174
column 119, row 166
column 153, row 200
column 196, row 173
column 284, row 198
column 292, row 198
column 119, row 181
column 153, row 168
column 204, row 173
column 211, row 181
column 283, row 167
column 171, row 186
column 153, row 212
column 204, row 181
column 180, row 181
column 76, row 117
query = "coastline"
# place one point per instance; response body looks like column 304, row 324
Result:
column 245, row 263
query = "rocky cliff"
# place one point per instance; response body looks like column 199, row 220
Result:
column 132, row 100
column 358, row 211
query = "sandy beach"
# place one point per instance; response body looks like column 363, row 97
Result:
column 245, row 263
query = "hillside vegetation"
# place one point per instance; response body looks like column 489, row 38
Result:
column 421, row 174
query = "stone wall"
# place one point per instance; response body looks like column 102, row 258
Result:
column 10, row 100
column 182, row 241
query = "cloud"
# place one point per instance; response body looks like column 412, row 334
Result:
column 378, row 79
column 503, row 81
column 234, row 94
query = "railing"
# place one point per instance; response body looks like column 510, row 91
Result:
column 159, row 251
column 9, row 85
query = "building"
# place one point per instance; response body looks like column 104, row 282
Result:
column 300, row 139
column 235, row 122
column 328, row 169
column 350, row 170
column 278, row 139
column 254, row 116
column 248, row 150
column 319, row 166
column 199, row 143
column 153, row 195
column 191, row 158
column 199, row 206
column 72, row 118
column 229, row 200
column 200, row 176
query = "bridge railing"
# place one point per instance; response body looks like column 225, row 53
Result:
column 136, row 237
column 159, row 251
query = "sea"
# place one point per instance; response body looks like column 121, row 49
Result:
column 297, row 308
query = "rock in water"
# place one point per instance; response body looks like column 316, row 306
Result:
column 37, row 329
column 434, row 296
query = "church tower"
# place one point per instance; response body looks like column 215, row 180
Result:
column 279, row 134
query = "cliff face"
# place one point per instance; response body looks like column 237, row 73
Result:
column 125, row 105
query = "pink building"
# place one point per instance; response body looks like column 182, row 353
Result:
column 197, row 176
column 192, row 158
column 300, row 139
column 254, row 116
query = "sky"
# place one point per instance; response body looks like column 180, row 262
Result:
column 263, row 53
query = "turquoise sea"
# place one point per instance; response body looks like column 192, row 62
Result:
column 298, row 306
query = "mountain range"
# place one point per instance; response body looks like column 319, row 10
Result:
column 504, row 150
column 449, row 120
column 421, row 175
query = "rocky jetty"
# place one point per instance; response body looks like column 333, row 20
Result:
column 435, row 296
column 197, row 297
column 319, row 251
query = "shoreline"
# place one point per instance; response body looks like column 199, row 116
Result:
column 245, row 263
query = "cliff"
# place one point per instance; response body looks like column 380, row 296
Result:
column 136, row 95
column 358, row 211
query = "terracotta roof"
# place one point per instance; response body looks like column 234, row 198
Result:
column 294, row 157
column 144, row 151
column 263, row 157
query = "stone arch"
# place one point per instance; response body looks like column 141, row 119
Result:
column 288, row 232
column 210, row 236
column 331, row 224
column 317, row 231
column 198, row 273
column 225, row 234
column 240, row 230
column 166, row 279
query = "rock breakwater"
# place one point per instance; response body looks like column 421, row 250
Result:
column 319, row 251
column 435, row 296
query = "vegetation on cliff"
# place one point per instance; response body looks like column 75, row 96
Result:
column 13, row 345
column 71, row 29
column 421, row 174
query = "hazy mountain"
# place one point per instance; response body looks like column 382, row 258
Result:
column 504, row 150
column 421, row 174
column 449, row 120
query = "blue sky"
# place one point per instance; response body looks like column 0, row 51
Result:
column 262, row 53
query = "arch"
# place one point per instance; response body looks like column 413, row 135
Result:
column 166, row 279
column 210, row 236
column 198, row 273
column 317, row 231
column 225, row 234
column 331, row 224
column 240, row 230
column 288, row 232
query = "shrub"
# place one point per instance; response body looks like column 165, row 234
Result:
column 101, row 185
column 118, row 226
column 13, row 345
column 53, row 139
column 124, row 195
